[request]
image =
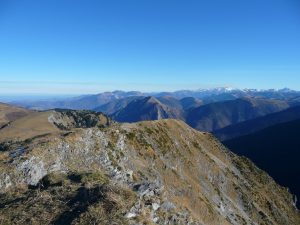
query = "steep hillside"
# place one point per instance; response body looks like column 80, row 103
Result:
column 257, row 124
column 116, row 105
column 10, row 113
column 190, row 102
column 148, row 108
column 295, row 101
column 275, row 149
column 158, row 172
column 217, row 115
column 171, row 102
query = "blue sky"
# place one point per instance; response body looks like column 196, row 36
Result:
column 70, row 47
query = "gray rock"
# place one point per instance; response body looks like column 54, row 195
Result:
column 5, row 182
column 130, row 215
column 33, row 170
column 168, row 206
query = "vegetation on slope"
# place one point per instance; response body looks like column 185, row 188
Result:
column 159, row 172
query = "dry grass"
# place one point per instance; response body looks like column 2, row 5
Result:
column 77, row 198
column 3, row 156
column 27, row 127
column 10, row 113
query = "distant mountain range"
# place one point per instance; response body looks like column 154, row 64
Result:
column 206, row 109
column 81, row 102
column 204, row 95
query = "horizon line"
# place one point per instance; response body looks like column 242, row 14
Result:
column 147, row 92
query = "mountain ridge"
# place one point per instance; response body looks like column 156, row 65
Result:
column 207, row 95
column 156, row 172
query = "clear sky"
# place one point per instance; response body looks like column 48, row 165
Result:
column 89, row 46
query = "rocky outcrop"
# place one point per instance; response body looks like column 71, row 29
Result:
column 66, row 119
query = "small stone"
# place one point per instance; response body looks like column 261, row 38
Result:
column 155, row 206
column 155, row 220
column 130, row 215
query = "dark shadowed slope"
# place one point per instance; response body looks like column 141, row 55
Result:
column 217, row 115
column 276, row 150
column 257, row 124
